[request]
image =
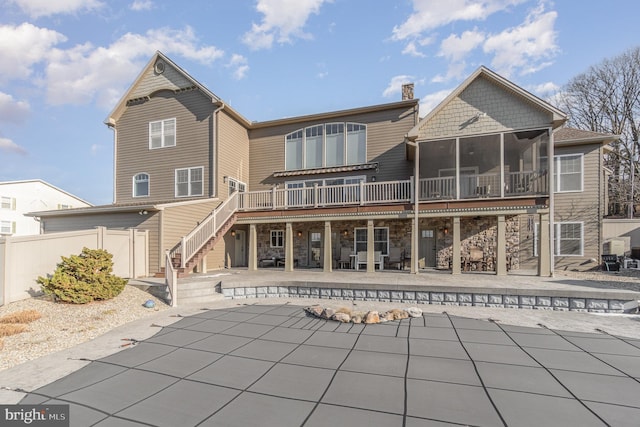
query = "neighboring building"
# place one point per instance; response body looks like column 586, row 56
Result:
column 336, row 189
column 19, row 197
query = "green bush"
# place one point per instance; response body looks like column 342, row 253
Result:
column 83, row 278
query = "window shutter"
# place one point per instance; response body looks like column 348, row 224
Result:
column 13, row 203
column 13, row 227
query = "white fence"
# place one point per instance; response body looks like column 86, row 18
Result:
column 23, row 259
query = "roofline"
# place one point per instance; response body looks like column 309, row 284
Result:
column 331, row 114
column 601, row 139
column 23, row 181
column 110, row 120
column 559, row 117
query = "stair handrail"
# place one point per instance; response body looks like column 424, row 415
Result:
column 203, row 232
column 171, row 279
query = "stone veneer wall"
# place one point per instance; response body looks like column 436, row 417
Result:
column 478, row 232
column 480, row 298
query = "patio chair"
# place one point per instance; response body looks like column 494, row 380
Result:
column 377, row 260
column 394, row 258
column 345, row 258
column 361, row 259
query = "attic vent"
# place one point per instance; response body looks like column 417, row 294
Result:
column 159, row 67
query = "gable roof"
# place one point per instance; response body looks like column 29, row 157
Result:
column 118, row 110
column 558, row 117
column 28, row 181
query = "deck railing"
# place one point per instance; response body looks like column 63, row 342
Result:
column 326, row 196
column 200, row 235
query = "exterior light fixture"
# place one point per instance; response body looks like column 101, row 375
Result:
column 233, row 233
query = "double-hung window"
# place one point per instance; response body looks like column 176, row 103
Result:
column 277, row 238
column 162, row 133
column 568, row 239
column 568, row 172
column 141, row 185
column 380, row 239
column 189, row 182
column 7, row 227
column 7, row 203
column 326, row 145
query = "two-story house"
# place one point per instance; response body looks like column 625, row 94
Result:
column 20, row 197
column 469, row 187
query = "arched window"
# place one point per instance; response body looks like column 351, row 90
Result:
column 141, row 185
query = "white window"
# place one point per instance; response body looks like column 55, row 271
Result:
column 141, row 185
column 356, row 143
column 189, row 182
column 567, row 240
column 277, row 238
column 7, row 203
column 568, row 172
column 64, row 206
column 380, row 239
column 162, row 133
column 331, row 144
column 7, row 227
column 235, row 185
column 293, row 150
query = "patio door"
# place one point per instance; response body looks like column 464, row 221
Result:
column 316, row 251
column 427, row 249
column 240, row 244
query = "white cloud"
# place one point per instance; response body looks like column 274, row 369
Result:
column 412, row 50
column 544, row 89
column 395, row 85
column 430, row 14
column 526, row 48
column 282, row 20
column 86, row 73
column 431, row 101
column 8, row 146
column 240, row 66
column 140, row 5
column 12, row 111
column 23, row 46
column 38, row 8
column 455, row 47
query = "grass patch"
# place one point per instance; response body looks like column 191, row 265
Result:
column 8, row 329
column 25, row 316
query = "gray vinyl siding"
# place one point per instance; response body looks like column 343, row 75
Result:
column 385, row 144
column 232, row 152
column 584, row 206
column 192, row 111
column 503, row 111
column 177, row 221
column 150, row 222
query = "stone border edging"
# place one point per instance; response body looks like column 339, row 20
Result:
column 499, row 300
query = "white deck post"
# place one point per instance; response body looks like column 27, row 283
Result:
column 328, row 256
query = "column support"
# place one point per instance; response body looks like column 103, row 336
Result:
column 328, row 248
column 370, row 247
column 288, row 248
column 455, row 252
column 501, row 247
column 544, row 246
column 252, row 262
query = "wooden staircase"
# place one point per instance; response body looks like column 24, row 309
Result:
column 200, row 254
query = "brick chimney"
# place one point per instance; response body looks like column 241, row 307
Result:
column 407, row 91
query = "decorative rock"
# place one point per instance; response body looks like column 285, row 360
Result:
column 149, row 303
column 328, row 313
column 414, row 312
column 397, row 314
column 314, row 310
column 357, row 318
column 372, row 317
column 341, row 317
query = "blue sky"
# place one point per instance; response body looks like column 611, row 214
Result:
column 65, row 63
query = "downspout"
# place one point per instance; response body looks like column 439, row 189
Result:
column 552, row 187
column 214, row 151
column 115, row 156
